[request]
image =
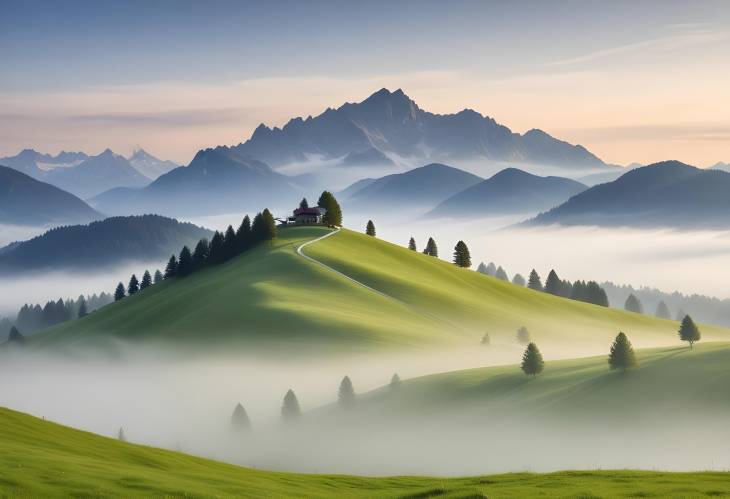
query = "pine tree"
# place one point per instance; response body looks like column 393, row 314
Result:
column 462, row 258
column 662, row 310
column 230, row 243
column 532, row 363
column 216, row 249
column 171, row 268
column 501, row 274
column 491, row 269
column 146, row 280
column 119, row 293
column 481, row 268
column 133, row 285
column 431, row 248
column 523, row 335
column 395, row 382
column 412, row 244
column 239, row 419
column 158, row 277
column 633, row 304
column 689, row 332
column 534, row 281
column 121, row 436
column 596, row 294
column 270, row 225
column 83, row 309
column 290, row 409
column 553, row 284
column 370, row 228
column 346, row 393
column 518, row 280
column 184, row 262
column 243, row 234
column 200, row 254
column 14, row 336
column 622, row 354
column 303, row 204
column 486, row 340
column 333, row 213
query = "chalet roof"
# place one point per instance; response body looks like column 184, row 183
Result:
column 315, row 211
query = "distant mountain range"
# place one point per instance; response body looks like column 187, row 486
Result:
column 26, row 201
column 417, row 188
column 721, row 166
column 390, row 128
column 150, row 166
column 106, row 243
column 666, row 194
column 509, row 191
column 218, row 180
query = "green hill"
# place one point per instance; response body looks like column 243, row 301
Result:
column 43, row 459
column 273, row 297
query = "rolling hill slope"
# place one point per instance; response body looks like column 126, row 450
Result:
column 274, row 297
column 43, row 459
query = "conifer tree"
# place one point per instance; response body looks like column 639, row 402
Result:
column 133, row 285
column 595, row 294
column 501, row 274
column 518, row 280
column 239, row 419
column 370, row 228
column 216, row 249
column 523, row 335
column 83, row 309
column 622, row 354
column 119, row 293
column 431, row 248
column 270, row 225
column 303, row 204
column 481, row 268
column 462, row 258
column 633, row 304
column 412, row 244
column 689, row 332
column 230, row 243
column 200, row 254
column 184, row 262
column 662, row 310
column 553, row 284
column 486, row 340
column 14, row 336
column 243, row 234
column 395, row 382
column 346, row 393
column 158, row 277
column 532, row 363
column 171, row 268
column 491, row 269
column 333, row 213
column 290, row 409
column 146, row 280
column 534, row 281
column 121, row 436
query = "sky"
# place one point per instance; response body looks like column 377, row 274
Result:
column 631, row 81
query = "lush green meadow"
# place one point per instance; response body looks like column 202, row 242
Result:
column 274, row 297
column 43, row 459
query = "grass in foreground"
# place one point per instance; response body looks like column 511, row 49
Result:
column 43, row 459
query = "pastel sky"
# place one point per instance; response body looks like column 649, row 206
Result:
column 632, row 81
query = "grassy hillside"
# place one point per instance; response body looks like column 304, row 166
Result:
column 42, row 459
column 273, row 296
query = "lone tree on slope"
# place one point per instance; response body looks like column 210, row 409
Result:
column 133, row 285
column 412, row 244
column 431, row 248
column 119, row 293
column 532, row 363
column 370, row 228
column 633, row 304
column 333, row 215
column 462, row 258
column 689, row 332
column 239, row 419
column 662, row 311
column 121, row 436
column 395, row 382
column 346, row 393
column 622, row 354
column 523, row 335
column 533, row 282
column 290, row 410
column 146, row 280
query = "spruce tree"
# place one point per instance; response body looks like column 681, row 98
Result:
column 689, row 332
column 523, row 335
column 119, row 293
column 662, row 310
column 243, row 234
column 481, row 268
column 518, row 280
column 269, row 225
column 303, row 204
column 622, row 354
column 290, row 408
column 83, row 309
column 633, row 304
column 532, row 363
column 491, row 269
column 346, row 393
column 412, row 244
column 121, row 436
column 486, row 340
column 239, row 419
column 431, row 248
column 395, row 382
column 370, row 228
column 501, row 274
column 333, row 213
column 158, row 277
column 184, row 262
column 200, row 254
column 462, row 258
column 14, row 336
column 171, row 268
column 553, row 284
column 596, row 294
column 230, row 243
column 216, row 249
column 534, row 281
column 146, row 280
column 133, row 285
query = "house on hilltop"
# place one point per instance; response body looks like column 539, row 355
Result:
column 307, row 216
